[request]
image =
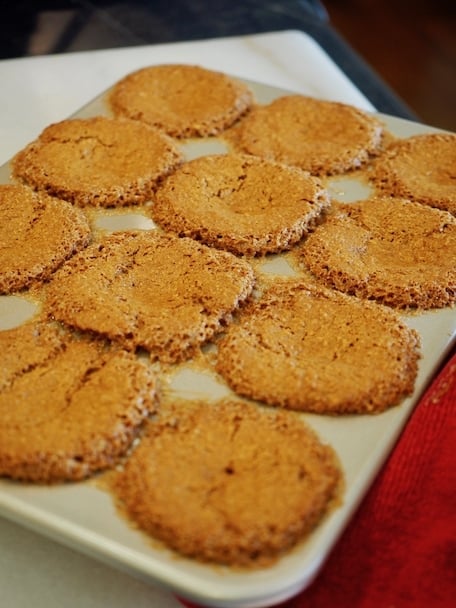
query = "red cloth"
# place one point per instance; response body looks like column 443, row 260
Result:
column 399, row 551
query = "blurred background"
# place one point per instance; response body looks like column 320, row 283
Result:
column 412, row 46
column 409, row 44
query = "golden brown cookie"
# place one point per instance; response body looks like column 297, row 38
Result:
column 392, row 250
column 240, row 203
column 37, row 234
column 99, row 162
column 322, row 137
column 68, row 407
column 307, row 348
column 421, row 168
column 152, row 291
column 229, row 482
column 182, row 100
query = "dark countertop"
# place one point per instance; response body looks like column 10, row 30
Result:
column 60, row 26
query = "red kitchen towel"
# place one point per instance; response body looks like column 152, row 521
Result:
column 400, row 549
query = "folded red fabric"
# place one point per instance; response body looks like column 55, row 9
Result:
column 399, row 551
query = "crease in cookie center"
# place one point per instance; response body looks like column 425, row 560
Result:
column 46, row 371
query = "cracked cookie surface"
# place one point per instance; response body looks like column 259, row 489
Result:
column 395, row 251
column 69, row 407
column 165, row 294
column 182, row 100
column 324, row 352
column 98, row 162
column 322, row 137
column 228, row 482
column 240, row 203
column 37, row 234
column 421, row 168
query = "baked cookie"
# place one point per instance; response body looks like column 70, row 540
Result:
column 99, row 161
column 240, row 203
column 68, row 407
column 322, row 137
column 395, row 251
column 152, row 291
column 228, row 482
column 37, row 234
column 182, row 100
column 308, row 348
column 421, row 168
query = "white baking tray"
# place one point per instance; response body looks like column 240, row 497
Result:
column 83, row 515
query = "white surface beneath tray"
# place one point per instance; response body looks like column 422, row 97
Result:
column 35, row 571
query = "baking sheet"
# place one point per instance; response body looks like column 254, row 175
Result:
column 83, row 515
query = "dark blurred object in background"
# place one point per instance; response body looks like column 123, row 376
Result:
column 412, row 46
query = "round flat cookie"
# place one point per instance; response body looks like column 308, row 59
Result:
column 240, row 203
column 37, row 234
column 152, row 291
column 307, row 348
column 99, row 162
column 182, row 100
column 421, row 168
column 395, row 251
column 322, row 137
column 228, row 483
column 68, row 407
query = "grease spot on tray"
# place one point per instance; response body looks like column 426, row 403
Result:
column 348, row 190
column 195, row 384
column 124, row 221
column 15, row 310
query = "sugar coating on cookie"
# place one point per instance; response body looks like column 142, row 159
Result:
column 99, row 161
column 68, row 407
column 395, row 251
column 240, row 203
column 228, row 483
column 182, row 100
column 322, row 137
column 308, row 348
column 421, row 168
column 37, row 234
column 153, row 291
